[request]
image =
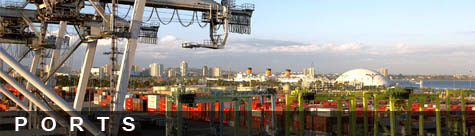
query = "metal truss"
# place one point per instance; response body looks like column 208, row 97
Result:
column 92, row 27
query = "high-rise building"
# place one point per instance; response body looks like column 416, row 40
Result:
column 171, row 73
column 145, row 71
column 156, row 69
column 383, row 71
column 107, row 68
column 135, row 68
column 216, row 72
column 309, row 72
column 184, row 69
column 205, row 71
column 98, row 72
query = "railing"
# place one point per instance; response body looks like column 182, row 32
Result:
column 205, row 44
column 245, row 6
column 13, row 4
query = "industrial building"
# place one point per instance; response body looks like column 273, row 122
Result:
column 97, row 72
column 363, row 77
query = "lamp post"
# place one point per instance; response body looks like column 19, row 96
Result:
column 372, row 78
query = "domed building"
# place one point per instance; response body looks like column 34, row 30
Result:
column 364, row 77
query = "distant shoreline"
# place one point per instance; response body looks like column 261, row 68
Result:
column 433, row 79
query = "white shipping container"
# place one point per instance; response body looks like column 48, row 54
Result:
column 152, row 101
column 326, row 112
column 129, row 95
column 66, row 88
column 99, row 99
column 96, row 99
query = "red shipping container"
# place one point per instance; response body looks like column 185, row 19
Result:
column 151, row 110
column 104, row 103
column 382, row 108
column 468, row 108
column 144, row 98
column 415, row 105
column 454, row 106
column 128, row 106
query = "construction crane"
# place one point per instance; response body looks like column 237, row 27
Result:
column 19, row 25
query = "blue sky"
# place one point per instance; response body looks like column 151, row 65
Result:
column 374, row 22
column 410, row 37
column 405, row 36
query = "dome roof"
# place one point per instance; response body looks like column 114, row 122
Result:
column 365, row 76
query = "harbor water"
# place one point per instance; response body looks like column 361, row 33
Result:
column 438, row 84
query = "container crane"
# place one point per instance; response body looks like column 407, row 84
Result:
column 17, row 26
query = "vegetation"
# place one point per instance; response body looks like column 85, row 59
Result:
column 67, row 80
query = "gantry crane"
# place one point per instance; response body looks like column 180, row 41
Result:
column 18, row 26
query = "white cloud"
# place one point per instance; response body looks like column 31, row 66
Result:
column 396, row 49
column 401, row 48
column 297, row 48
column 168, row 50
column 169, row 46
column 168, row 38
column 346, row 47
column 313, row 48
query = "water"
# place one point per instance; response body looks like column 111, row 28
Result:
column 438, row 84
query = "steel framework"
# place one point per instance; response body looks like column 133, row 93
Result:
column 18, row 25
